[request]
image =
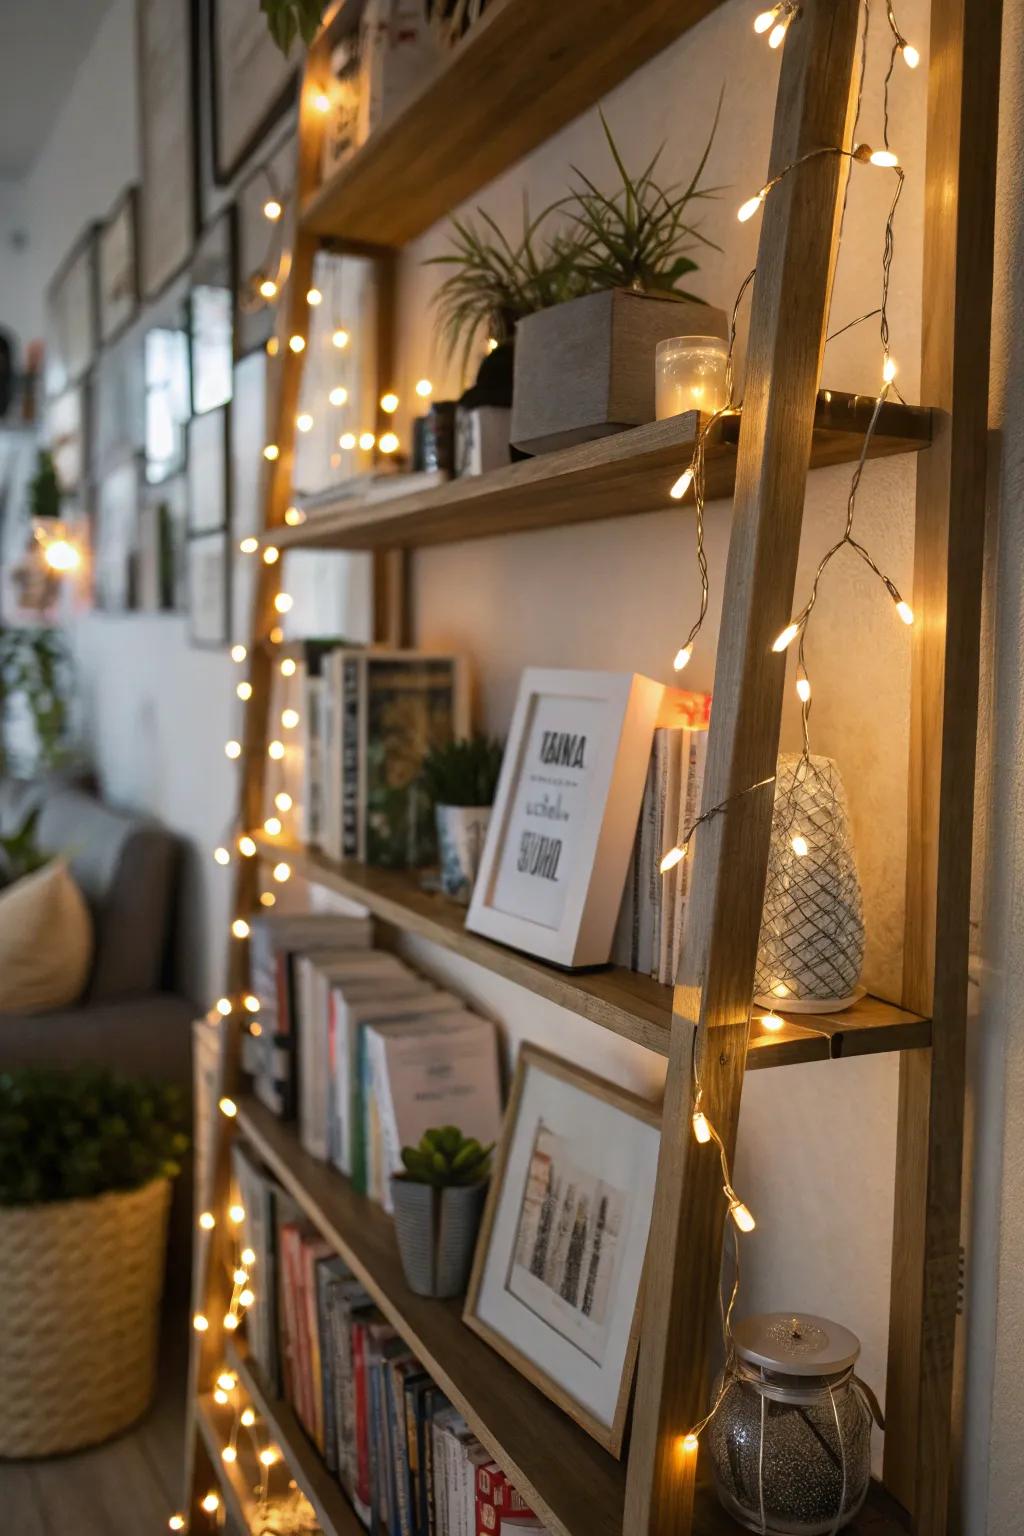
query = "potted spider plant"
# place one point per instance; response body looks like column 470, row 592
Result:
column 460, row 778
column 438, row 1201
column 586, row 367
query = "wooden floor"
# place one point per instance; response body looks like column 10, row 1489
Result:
column 128, row 1487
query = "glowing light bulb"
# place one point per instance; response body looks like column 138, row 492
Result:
column 220, row 1396
column 62, row 556
column 246, row 846
column 288, row 667
column 251, row 1002
column 240, row 928
column 289, row 719
column 272, row 209
column 238, row 653
column 271, row 452
column 682, row 657
column 207, row 1221
column 248, row 1417
column 424, row 388
column 276, row 751
column 248, row 546
column 200, row 1323
column 888, row 371
column 884, row 158
column 690, row 1444
column 803, row 689
column 236, row 1213
column 492, row 344
column 338, row 395
column 268, row 1457
column 244, row 691
column 340, row 339
column 283, row 801
column 272, row 826
column 749, row 208
column 176, row 1523
column 282, row 872
column 267, row 899
column 273, row 346
column 255, row 1029
column 388, row 442
column 777, row 34
column 222, row 855
column 211, row 1503
column 294, row 516
column 223, row 1007
column 911, row 57
column 905, row 612
column 229, row 1454
column 246, row 1297
column 672, row 858
column 682, row 485
column 787, row 637
column 304, row 421
column 389, row 403
column 268, row 288
column 276, row 635
column 282, row 602
column 227, row 1381
column 229, row 1108
column 271, row 555
column 763, row 21
column 297, row 343
column 800, row 846
column 240, row 1277
column 321, row 101
column 741, row 1216
column 366, row 441
column 314, row 297
column 347, row 440
column 772, row 1023
column 248, row 1256
column 701, row 1127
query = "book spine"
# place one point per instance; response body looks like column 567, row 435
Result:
column 350, row 756
column 313, row 763
column 401, row 1523
column 327, row 1301
column 361, row 1491
column 289, row 1347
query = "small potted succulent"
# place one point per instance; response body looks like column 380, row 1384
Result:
column 438, row 1201
column 460, row 779
column 86, row 1163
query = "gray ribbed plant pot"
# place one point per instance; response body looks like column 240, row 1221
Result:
column 436, row 1231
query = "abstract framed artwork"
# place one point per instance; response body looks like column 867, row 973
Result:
column 558, row 1272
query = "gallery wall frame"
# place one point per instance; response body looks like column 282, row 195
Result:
column 251, row 83
column 117, row 266
column 168, row 203
column 72, row 310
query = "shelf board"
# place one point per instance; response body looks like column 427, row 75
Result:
column 620, row 475
column 630, row 1005
column 333, row 1510
column 575, row 1486
column 523, row 70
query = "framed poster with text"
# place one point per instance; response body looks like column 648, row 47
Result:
column 565, row 814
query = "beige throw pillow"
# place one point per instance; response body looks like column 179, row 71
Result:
column 45, row 941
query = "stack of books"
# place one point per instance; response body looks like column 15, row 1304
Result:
column 362, row 721
column 648, row 937
column 403, row 1454
column 364, row 1053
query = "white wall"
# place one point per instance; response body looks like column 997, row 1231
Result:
column 817, row 1142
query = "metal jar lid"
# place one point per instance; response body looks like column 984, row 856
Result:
column 796, row 1344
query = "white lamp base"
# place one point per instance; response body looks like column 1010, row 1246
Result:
column 810, row 1004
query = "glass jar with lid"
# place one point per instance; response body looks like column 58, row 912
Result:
column 791, row 1440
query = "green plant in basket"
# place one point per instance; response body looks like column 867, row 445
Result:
column 463, row 772
column 70, row 1135
column 641, row 235
column 446, row 1159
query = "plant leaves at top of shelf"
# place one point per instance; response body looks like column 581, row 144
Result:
column 288, row 19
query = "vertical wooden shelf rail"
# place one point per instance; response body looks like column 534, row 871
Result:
column 723, row 919
column 960, row 173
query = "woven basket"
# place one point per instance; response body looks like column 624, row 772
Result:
column 80, row 1284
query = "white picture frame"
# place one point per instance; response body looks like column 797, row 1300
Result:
column 558, row 1272
column 565, row 814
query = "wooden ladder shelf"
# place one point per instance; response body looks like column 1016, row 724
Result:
column 576, row 1487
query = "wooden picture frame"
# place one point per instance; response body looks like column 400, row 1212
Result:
column 565, row 814
column 117, row 266
column 168, row 200
column 208, row 574
column 72, row 317
column 252, row 84
column 597, row 1272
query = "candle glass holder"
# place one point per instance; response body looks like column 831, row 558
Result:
column 690, row 374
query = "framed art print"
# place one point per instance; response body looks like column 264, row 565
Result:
column 118, row 267
column 208, row 589
column 565, row 814
column 559, row 1264
column 208, row 477
column 72, row 326
column 66, row 428
column 117, row 517
column 167, row 195
column 253, row 83
column 212, row 316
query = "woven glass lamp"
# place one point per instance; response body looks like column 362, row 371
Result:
column 811, row 949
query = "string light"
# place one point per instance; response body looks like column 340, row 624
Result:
column 273, row 346
column 672, row 858
column 282, row 602
column 314, row 297
column 176, row 1523
column 766, row 19
column 288, row 667
column 244, row 691
column 222, row 855
column 229, row 1454
column 800, row 846
column 240, row 1277
column 240, row 928
column 772, row 1022
column 272, row 826
column 229, row 1109
column 340, row 339
column 246, row 1297
column 911, row 57
column 232, row 749
column 389, row 403
column 251, row 1002
column 747, row 210
column 283, row 801
column 227, row 1381
column 268, row 1456
column 786, row 638
column 885, row 159
column 276, row 635
column 424, row 388
column 207, row 1221
column 888, row 371
column 294, row 516
column 267, row 899
column 701, row 1127
column 282, row 872
column 304, row 421
column 248, row 1417
column 905, row 612
column 297, row 343
column 248, row 546
column 271, row 452
column 492, row 344
column 275, row 751
column 248, row 1256
column 366, row 441
column 272, row 209
column 223, row 1007
column 211, row 1503
column 238, row 654
column 268, row 288
column 322, row 102
column 803, row 689
column 200, row 1323
column 236, row 1214
column 682, row 657
column 246, row 846
column 271, row 555
column 682, row 485
column 62, row 556
column 338, row 395
column 347, row 440
column 741, row 1216
column 388, row 442
column 289, row 719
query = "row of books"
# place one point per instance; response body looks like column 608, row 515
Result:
column 366, row 719
column 362, row 1051
column 404, row 1455
column 648, row 937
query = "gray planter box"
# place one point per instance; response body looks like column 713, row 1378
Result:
column 586, row 368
